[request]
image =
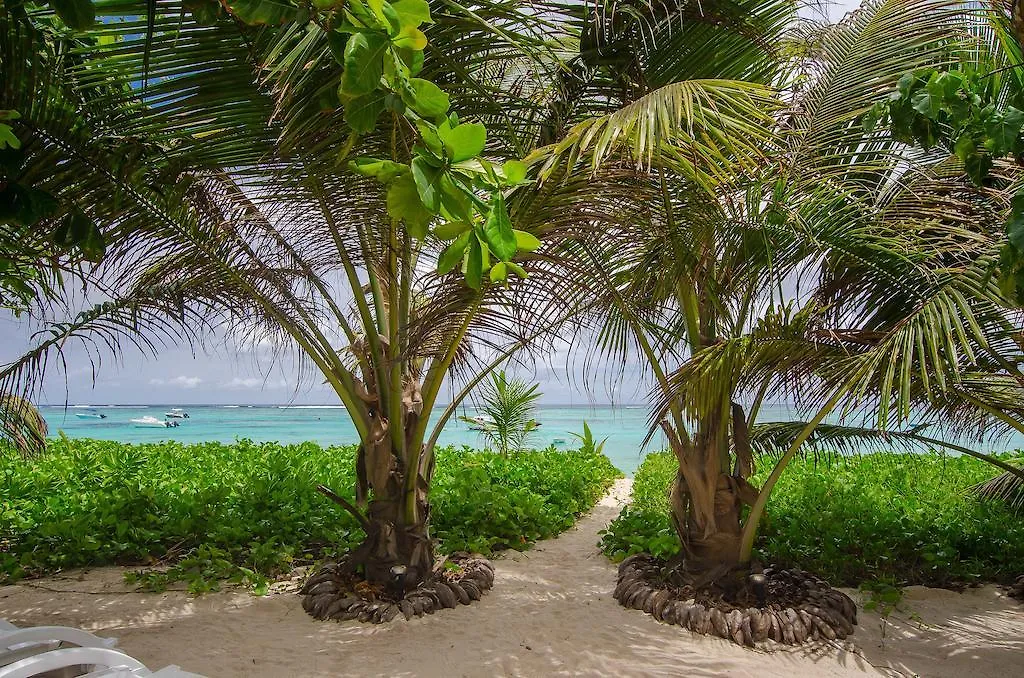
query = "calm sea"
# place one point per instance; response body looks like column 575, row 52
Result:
column 625, row 426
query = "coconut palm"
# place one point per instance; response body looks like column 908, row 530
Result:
column 508, row 407
column 848, row 275
column 221, row 186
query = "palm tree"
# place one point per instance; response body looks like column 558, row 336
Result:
column 847, row 274
column 508, row 407
column 214, row 158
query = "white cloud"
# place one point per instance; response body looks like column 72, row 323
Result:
column 238, row 383
column 181, row 380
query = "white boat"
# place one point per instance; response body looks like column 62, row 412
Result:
column 90, row 415
column 176, row 413
column 479, row 423
column 146, row 422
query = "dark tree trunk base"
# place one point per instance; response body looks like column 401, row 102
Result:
column 334, row 593
column 796, row 607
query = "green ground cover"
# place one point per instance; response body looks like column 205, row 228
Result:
column 902, row 519
column 247, row 511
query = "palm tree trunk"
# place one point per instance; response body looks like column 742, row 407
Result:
column 706, row 504
column 397, row 534
column 706, row 515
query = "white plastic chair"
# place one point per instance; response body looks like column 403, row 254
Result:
column 32, row 651
column 105, row 663
column 17, row 644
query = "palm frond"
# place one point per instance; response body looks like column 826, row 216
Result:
column 21, row 425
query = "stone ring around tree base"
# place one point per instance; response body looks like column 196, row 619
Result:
column 332, row 593
column 798, row 606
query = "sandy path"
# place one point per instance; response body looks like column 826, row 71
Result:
column 550, row 614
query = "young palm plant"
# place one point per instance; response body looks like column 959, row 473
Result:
column 508, row 407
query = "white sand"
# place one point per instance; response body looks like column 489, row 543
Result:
column 550, row 613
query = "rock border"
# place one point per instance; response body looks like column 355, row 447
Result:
column 325, row 596
column 824, row 613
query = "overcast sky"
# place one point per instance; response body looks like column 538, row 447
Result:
column 223, row 374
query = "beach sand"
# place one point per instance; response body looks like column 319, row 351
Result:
column 550, row 614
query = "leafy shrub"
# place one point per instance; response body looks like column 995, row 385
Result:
column 907, row 519
column 246, row 511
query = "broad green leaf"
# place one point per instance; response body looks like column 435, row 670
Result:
column 428, row 183
column 514, row 171
column 516, row 268
column 451, row 229
column 964, row 147
column 411, row 38
column 474, row 265
column 336, row 42
column 394, row 23
column 403, row 203
column 262, row 12
column 463, row 142
column 377, row 8
column 362, row 112
column 499, row 272
column 453, row 254
column 413, row 59
column 498, row 229
column 382, row 170
column 1004, row 130
column 454, row 199
column 364, row 63
column 431, row 141
column 7, row 138
column 413, row 12
column 1015, row 226
column 526, row 242
column 428, row 99
column 926, row 104
column 76, row 14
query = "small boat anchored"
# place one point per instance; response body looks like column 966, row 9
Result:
column 148, row 422
column 176, row 413
column 481, row 422
column 90, row 415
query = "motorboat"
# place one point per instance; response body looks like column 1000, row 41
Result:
column 480, row 422
column 176, row 413
column 147, row 422
column 558, row 441
column 90, row 415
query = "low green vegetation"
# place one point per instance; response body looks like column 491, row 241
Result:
column 902, row 519
column 247, row 511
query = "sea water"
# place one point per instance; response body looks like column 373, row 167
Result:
column 625, row 427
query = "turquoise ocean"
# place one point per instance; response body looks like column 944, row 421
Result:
column 625, row 427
